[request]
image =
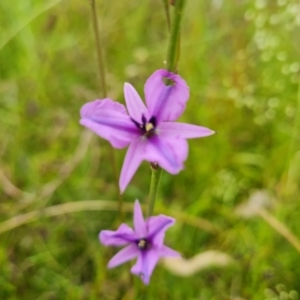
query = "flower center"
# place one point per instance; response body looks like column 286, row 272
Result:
column 143, row 244
column 147, row 127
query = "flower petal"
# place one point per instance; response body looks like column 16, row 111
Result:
column 135, row 105
column 166, row 102
column 139, row 222
column 109, row 120
column 166, row 251
column 145, row 264
column 122, row 236
column 157, row 227
column 133, row 159
column 126, row 254
column 168, row 152
column 91, row 108
column 183, row 130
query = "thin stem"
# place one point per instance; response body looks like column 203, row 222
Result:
column 104, row 95
column 98, row 48
column 172, row 59
column 280, row 228
column 101, row 205
column 167, row 12
column 173, row 48
column 155, row 179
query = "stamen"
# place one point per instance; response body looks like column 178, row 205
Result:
column 142, row 244
column 149, row 127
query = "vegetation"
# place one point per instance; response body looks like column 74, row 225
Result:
column 239, row 192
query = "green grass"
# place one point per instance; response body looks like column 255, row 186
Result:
column 241, row 61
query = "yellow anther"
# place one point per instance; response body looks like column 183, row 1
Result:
column 149, row 127
column 142, row 244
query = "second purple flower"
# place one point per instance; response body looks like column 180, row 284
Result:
column 150, row 132
column 145, row 242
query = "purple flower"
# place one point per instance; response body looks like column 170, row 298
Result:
column 144, row 242
column 149, row 131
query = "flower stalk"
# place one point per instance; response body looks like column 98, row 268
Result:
column 173, row 48
column 167, row 12
column 156, row 173
column 172, row 59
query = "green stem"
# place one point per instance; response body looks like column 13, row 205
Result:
column 99, row 49
column 172, row 59
column 155, row 179
column 104, row 95
column 173, row 48
column 167, row 12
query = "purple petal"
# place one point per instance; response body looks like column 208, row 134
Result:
column 126, row 254
column 168, row 152
column 157, row 227
column 109, row 120
column 133, row 159
column 145, row 264
column 166, row 251
column 139, row 222
column 135, row 105
column 122, row 236
column 183, row 130
column 91, row 108
column 166, row 102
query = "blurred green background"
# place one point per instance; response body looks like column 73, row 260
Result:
column 241, row 61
